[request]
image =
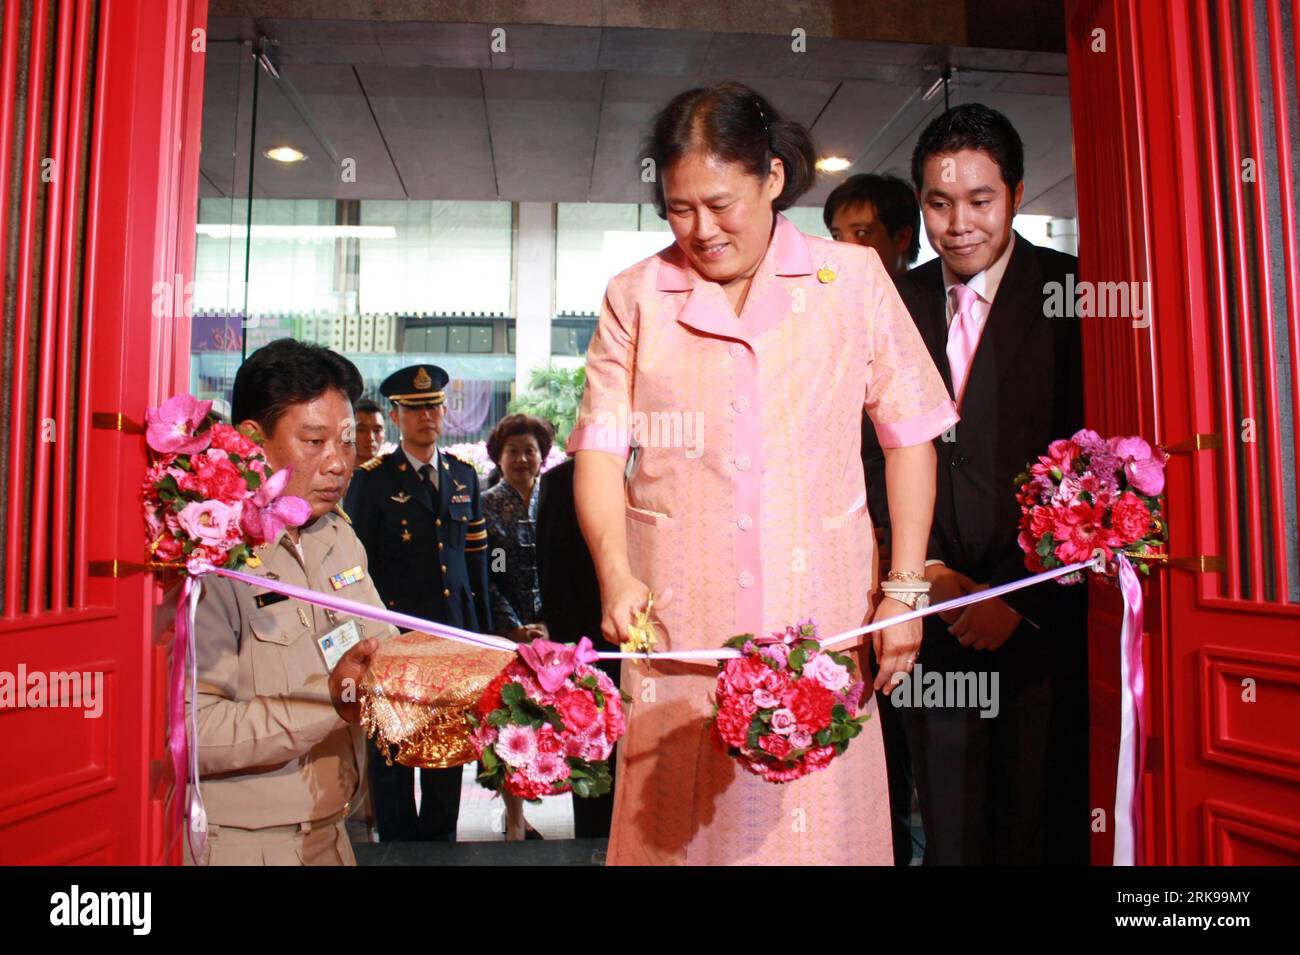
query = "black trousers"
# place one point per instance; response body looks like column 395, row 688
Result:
column 592, row 817
column 898, row 768
column 1011, row 789
column 392, row 792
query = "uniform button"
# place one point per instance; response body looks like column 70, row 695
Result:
column 444, row 568
column 437, row 522
column 403, row 520
column 746, row 580
column 439, row 545
column 391, row 602
column 745, row 522
column 737, row 350
column 741, row 404
column 446, row 593
column 743, row 462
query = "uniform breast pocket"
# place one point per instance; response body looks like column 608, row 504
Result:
column 459, row 521
column 281, row 648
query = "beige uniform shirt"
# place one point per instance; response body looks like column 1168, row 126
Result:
column 272, row 750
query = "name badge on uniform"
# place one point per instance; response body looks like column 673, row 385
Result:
column 268, row 598
column 338, row 642
column 345, row 577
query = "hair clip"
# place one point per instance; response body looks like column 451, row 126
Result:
column 762, row 115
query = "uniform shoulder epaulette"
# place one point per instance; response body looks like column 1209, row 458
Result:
column 455, row 457
column 372, row 463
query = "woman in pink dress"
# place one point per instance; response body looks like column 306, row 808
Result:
column 737, row 363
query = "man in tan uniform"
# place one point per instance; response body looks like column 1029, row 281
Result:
column 278, row 766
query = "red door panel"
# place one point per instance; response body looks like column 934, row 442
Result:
column 103, row 133
column 1189, row 183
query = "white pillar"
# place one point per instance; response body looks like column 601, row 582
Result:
column 1063, row 235
column 534, row 289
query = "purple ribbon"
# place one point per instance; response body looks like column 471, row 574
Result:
column 1132, row 735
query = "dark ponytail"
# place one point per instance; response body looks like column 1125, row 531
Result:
column 733, row 122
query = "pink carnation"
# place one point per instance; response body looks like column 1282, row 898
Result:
column 1130, row 518
column 547, row 768
column 1079, row 531
column 516, row 744
column 774, row 745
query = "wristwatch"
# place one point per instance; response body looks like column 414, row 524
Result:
column 913, row 599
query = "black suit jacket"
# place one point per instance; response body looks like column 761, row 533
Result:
column 566, row 575
column 1024, row 390
column 428, row 554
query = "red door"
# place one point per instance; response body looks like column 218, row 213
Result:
column 102, row 135
column 1185, row 116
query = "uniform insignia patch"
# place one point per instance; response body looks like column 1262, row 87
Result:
column 345, row 577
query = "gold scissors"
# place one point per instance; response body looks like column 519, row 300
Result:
column 641, row 632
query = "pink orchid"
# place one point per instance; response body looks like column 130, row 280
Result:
column 170, row 428
column 1145, row 471
column 555, row 662
column 267, row 512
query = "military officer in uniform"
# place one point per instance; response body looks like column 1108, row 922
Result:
column 277, row 765
column 418, row 514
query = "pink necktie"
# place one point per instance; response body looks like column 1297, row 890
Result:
column 963, row 338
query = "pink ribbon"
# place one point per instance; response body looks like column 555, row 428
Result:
column 357, row 609
column 184, row 749
column 409, row 622
column 1132, row 736
column 1128, row 835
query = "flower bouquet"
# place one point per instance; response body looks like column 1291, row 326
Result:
column 1087, row 495
column 210, row 496
column 787, row 707
column 548, row 723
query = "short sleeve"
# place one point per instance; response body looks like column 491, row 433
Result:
column 607, row 399
column 906, row 398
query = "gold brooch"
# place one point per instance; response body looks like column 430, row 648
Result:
column 826, row 274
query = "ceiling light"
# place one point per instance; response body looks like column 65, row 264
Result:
column 833, row 164
column 285, row 154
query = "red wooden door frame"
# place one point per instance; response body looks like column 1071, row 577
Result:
column 80, row 790
column 1220, row 785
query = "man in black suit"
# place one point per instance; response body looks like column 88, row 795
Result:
column 418, row 514
column 571, row 607
column 1011, row 788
